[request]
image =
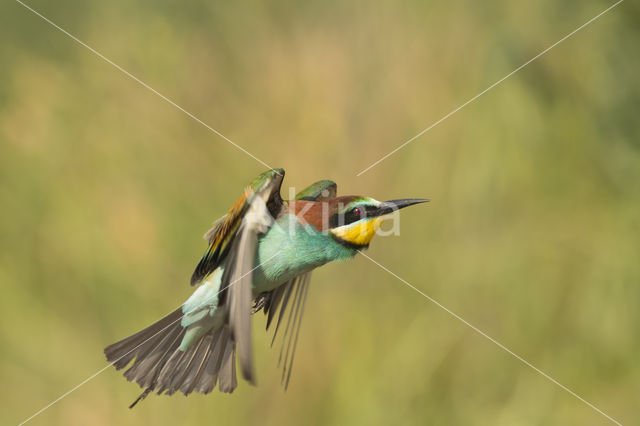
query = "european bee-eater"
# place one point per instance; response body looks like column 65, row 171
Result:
column 260, row 257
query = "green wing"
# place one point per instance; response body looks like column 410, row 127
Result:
column 224, row 229
column 316, row 191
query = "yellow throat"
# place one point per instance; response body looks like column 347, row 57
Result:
column 359, row 233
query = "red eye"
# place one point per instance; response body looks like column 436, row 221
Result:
column 357, row 211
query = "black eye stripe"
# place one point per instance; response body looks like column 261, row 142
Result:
column 352, row 215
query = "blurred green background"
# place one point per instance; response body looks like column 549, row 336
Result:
column 533, row 234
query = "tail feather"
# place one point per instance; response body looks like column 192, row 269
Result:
column 167, row 372
column 197, row 362
column 160, row 366
column 149, row 361
column 121, row 353
column 211, row 370
column 186, row 365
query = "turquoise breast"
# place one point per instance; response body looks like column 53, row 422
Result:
column 289, row 249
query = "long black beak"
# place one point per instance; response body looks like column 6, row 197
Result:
column 394, row 205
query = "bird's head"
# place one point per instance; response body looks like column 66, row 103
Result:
column 354, row 220
column 351, row 220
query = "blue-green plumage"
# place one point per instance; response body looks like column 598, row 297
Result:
column 287, row 250
column 259, row 253
column 290, row 249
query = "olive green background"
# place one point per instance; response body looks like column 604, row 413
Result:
column 532, row 235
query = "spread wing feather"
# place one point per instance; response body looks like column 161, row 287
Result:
column 289, row 339
column 293, row 291
column 237, row 278
column 224, row 230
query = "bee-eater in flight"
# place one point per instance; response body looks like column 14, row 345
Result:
column 260, row 257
